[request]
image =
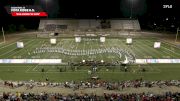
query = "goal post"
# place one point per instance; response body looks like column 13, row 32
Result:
column 177, row 34
column 2, row 39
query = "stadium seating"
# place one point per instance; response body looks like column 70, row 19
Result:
column 125, row 24
column 50, row 27
column 87, row 24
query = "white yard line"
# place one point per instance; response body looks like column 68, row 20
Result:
column 145, row 50
column 22, row 49
column 131, row 50
column 13, row 49
column 9, row 44
column 75, row 49
column 34, row 69
column 99, row 53
column 99, row 72
column 169, row 43
column 119, row 57
column 168, row 50
column 152, row 49
column 171, row 51
column 1, row 43
column 63, row 41
column 29, row 67
column 30, row 56
column 44, row 55
column 82, row 57
column 10, row 66
column 89, row 50
column 72, row 60
column 109, row 53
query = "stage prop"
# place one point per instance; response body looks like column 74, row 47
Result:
column 102, row 39
column 20, row 45
column 53, row 41
column 157, row 44
column 77, row 39
column 129, row 41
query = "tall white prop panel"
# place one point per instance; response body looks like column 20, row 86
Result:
column 77, row 39
column 53, row 41
column 20, row 45
column 102, row 39
column 129, row 40
column 157, row 44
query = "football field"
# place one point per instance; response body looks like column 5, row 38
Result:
column 41, row 48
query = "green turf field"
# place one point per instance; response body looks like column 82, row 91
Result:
column 142, row 48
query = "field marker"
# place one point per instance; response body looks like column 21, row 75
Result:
column 33, row 47
column 34, row 69
column 145, row 51
column 171, row 51
column 29, row 67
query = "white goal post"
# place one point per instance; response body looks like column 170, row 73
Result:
column 177, row 34
column 4, row 38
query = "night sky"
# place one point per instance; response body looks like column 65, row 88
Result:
column 144, row 10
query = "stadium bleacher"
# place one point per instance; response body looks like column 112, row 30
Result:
column 86, row 24
column 125, row 24
column 50, row 27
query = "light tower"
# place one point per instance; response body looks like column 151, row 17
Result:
column 177, row 34
column 46, row 4
column 131, row 2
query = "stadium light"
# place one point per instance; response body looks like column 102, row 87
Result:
column 132, row 6
column 132, row 1
column 46, row 1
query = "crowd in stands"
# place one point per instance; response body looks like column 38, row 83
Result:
column 95, row 84
column 168, row 96
column 22, row 96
